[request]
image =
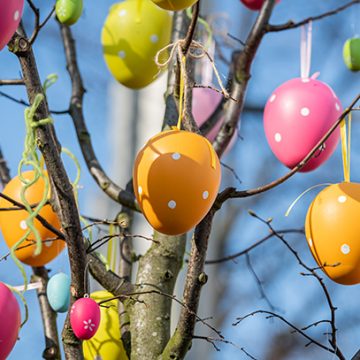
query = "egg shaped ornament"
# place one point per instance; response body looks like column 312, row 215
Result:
column 254, row 4
column 58, row 292
column 10, row 17
column 68, row 11
column 296, row 116
column 85, row 318
column 13, row 223
column 333, row 230
column 10, row 320
column 133, row 33
column 351, row 54
column 106, row 344
column 174, row 5
column 176, row 178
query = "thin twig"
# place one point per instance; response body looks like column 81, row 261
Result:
column 12, row 82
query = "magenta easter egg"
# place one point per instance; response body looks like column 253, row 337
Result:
column 254, row 4
column 85, row 318
column 10, row 16
column 204, row 103
column 9, row 319
column 296, row 116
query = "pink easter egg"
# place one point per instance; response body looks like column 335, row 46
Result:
column 10, row 319
column 85, row 318
column 296, row 116
column 204, row 103
column 254, row 4
column 10, row 16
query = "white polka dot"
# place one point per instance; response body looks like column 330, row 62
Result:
column 154, row 38
column 345, row 249
column 122, row 12
column 205, row 195
column 278, row 137
column 23, row 225
column 140, row 190
column 305, row 80
column 16, row 15
column 342, row 199
column 310, row 242
column 176, row 156
column 337, row 106
column 272, row 98
column 48, row 243
column 154, row 334
column 122, row 54
column 172, row 204
column 305, row 111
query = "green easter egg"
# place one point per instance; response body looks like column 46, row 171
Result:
column 351, row 54
column 68, row 11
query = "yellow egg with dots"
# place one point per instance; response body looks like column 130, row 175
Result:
column 174, row 5
column 133, row 33
column 106, row 344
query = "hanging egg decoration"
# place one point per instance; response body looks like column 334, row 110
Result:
column 68, row 11
column 176, row 178
column 85, row 318
column 106, row 344
column 204, row 103
column 13, row 223
column 254, row 4
column 296, row 116
column 333, row 229
column 10, row 320
column 351, row 54
column 132, row 35
column 58, row 292
column 10, row 17
column 174, row 5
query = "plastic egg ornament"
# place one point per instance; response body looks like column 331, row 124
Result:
column 351, row 54
column 10, row 17
column 58, row 292
column 296, row 116
column 174, row 5
column 333, row 229
column 13, row 223
column 176, row 178
column 68, row 11
column 10, row 320
column 106, row 344
column 254, row 4
column 131, row 37
column 85, row 318
column 204, row 103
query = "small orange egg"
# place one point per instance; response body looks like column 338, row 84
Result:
column 13, row 223
column 333, row 231
column 176, row 180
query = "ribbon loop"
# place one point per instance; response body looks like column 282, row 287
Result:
column 345, row 146
column 305, row 50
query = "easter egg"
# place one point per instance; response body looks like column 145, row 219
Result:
column 85, row 318
column 174, row 5
column 333, row 230
column 254, row 4
column 176, row 178
column 68, row 11
column 204, row 103
column 131, row 37
column 351, row 54
column 13, row 223
column 10, row 17
column 10, row 320
column 106, row 344
column 296, row 116
column 58, row 292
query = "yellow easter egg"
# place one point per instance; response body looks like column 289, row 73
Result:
column 106, row 344
column 174, row 5
column 133, row 33
column 333, row 231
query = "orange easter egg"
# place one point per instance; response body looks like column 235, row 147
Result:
column 333, row 231
column 176, row 179
column 13, row 223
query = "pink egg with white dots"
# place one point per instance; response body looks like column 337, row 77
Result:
column 85, row 318
column 296, row 116
column 10, row 16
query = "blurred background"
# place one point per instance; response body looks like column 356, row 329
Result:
column 120, row 121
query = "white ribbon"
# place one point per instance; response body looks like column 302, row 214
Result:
column 32, row 286
column 207, row 70
column 305, row 50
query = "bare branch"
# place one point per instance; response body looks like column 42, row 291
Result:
column 12, row 82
